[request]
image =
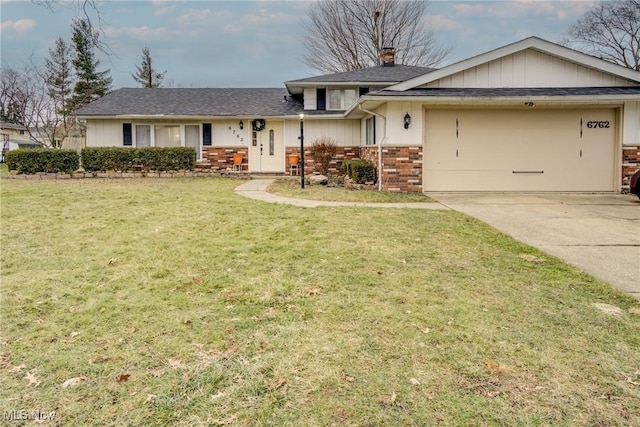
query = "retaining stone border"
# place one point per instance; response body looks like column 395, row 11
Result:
column 120, row 175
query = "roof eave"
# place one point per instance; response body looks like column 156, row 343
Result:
column 610, row 99
column 528, row 43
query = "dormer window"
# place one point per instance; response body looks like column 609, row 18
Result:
column 321, row 99
column 341, row 99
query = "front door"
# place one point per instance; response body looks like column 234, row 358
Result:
column 266, row 153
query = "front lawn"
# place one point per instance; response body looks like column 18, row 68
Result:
column 178, row 302
column 291, row 188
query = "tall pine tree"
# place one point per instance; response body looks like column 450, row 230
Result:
column 146, row 75
column 91, row 84
column 58, row 76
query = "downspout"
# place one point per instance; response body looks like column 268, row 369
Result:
column 384, row 136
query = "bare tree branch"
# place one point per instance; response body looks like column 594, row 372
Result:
column 611, row 31
column 25, row 100
column 88, row 10
column 344, row 35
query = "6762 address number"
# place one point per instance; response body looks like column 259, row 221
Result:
column 597, row 124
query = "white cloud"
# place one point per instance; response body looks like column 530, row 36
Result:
column 20, row 26
column 523, row 8
column 202, row 16
column 143, row 32
column 439, row 22
column 162, row 7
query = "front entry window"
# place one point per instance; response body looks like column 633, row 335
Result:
column 272, row 144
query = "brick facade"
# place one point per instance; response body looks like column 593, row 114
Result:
column 335, row 166
column 221, row 158
column 401, row 166
column 630, row 164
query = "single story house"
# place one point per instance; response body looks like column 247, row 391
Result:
column 528, row 116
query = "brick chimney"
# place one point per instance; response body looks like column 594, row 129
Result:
column 388, row 57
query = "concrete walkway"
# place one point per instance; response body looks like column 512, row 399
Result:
column 257, row 189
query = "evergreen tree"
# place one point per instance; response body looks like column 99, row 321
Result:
column 58, row 76
column 145, row 74
column 91, row 84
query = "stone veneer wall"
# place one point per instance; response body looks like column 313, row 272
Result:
column 630, row 164
column 401, row 167
column 335, row 167
column 221, row 158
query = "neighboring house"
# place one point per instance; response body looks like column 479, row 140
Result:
column 529, row 116
column 13, row 137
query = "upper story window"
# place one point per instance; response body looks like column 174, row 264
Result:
column 341, row 99
column 321, row 98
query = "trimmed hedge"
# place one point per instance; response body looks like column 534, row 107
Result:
column 161, row 159
column 360, row 171
column 30, row 161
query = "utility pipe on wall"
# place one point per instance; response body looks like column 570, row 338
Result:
column 384, row 136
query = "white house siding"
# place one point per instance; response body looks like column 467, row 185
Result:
column 345, row 133
column 397, row 135
column 529, row 68
column 631, row 124
column 104, row 133
column 227, row 133
column 310, row 98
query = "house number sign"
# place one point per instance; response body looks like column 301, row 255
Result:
column 600, row 125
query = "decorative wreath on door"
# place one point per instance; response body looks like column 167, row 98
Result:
column 258, row 124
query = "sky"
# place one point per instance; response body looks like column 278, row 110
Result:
column 252, row 43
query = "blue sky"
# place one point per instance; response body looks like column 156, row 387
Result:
column 254, row 43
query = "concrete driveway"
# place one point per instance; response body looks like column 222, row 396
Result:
column 598, row 233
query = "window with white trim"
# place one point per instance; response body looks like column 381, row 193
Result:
column 170, row 135
column 341, row 99
column 370, row 131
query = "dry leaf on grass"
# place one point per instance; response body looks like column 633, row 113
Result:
column 123, row 378
column 198, row 280
column 496, row 368
column 17, row 368
column 218, row 395
column 31, row 377
column 414, row 381
column 312, row 291
column 348, row 378
column 176, row 364
column 150, row 398
column 276, row 385
column 113, row 261
column 72, row 382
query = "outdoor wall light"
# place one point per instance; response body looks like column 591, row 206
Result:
column 241, row 125
column 407, row 121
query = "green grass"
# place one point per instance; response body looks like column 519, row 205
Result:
column 291, row 188
column 225, row 310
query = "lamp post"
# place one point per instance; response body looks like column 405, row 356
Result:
column 302, row 151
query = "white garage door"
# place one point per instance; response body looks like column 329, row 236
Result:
column 526, row 150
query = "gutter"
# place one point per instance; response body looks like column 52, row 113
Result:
column 384, row 136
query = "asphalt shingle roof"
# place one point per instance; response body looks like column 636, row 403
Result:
column 512, row 92
column 194, row 102
column 379, row 74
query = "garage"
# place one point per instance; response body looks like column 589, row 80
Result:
column 525, row 149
